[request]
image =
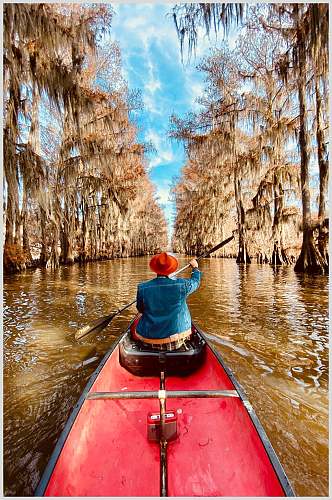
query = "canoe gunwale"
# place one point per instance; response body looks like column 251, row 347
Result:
column 42, row 485
column 283, row 479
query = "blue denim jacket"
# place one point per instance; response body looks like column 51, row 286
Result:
column 162, row 301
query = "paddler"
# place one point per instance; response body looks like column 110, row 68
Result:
column 165, row 321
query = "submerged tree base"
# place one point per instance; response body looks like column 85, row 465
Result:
column 262, row 258
column 310, row 260
column 243, row 257
column 280, row 257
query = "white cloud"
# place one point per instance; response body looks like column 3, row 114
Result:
column 163, row 194
column 163, row 198
column 196, row 89
column 164, row 153
column 150, row 105
column 146, row 27
column 132, row 23
column 167, row 156
column 145, row 32
column 152, row 86
column 140, row 35
column 155, row 162
column 164, row 156
column 151, row 135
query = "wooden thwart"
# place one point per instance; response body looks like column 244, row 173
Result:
column 168, row 394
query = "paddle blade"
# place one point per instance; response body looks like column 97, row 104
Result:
column 214, row 249
column 95, row 327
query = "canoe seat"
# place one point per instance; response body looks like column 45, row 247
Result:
column 143, row 361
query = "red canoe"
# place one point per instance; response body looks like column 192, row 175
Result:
column 212, row 443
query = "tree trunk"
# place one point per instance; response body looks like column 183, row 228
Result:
column 279, row 256
column 103, row 226
column 310, row 259
column 54, row 260
column 85, row 231
column 55, row 225
column 13, row 259
column 67, row 233
column 26, row 240
column 43, row 257
column 322, row 161
column 243, row 256
column 33, row 145
column 11, row 209
column 323, row 177
column 24, row 225
column 10, row 165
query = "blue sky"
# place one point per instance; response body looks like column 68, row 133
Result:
column 151, row 62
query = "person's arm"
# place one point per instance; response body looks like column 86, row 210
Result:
column 194, row 281
column 139, row 301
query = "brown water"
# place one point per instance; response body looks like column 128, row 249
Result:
column 271, row 327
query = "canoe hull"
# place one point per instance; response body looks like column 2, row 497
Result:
column 219, row 450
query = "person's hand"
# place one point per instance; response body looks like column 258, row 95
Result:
column 193, row 263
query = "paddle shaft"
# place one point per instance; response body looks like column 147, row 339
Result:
column 206, row 254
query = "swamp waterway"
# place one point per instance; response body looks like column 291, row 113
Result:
column 270, row 325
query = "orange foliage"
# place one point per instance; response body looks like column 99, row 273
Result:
column 14, row 258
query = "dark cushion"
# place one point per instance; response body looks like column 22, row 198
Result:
column 141, row 360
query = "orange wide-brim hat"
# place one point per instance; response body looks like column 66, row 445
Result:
column 164, row 264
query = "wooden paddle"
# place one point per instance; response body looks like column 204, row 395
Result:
column 101, row 323
column 206, row 254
